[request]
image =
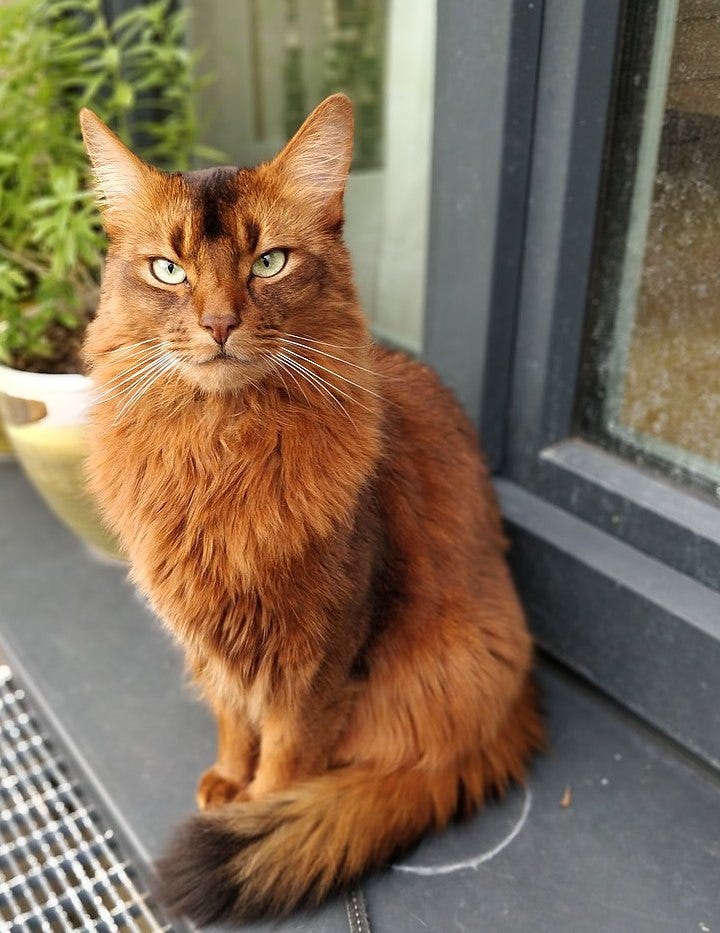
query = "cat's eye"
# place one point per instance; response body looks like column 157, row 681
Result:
column 269, row 264
column 167, row 271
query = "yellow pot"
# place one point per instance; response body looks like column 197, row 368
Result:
column 45, row 418
column 6, row 450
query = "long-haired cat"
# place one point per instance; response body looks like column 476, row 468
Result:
column 310, row 516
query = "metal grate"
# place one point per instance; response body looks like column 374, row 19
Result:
column 59, row 864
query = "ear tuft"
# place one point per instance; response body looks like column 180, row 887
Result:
column 120, row 176
column 317, row 159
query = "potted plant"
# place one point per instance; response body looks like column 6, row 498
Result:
column 57, row 56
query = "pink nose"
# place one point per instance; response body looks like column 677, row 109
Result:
column 219, row 325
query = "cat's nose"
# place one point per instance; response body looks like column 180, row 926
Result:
column 219, row 325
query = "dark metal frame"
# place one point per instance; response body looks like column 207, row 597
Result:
column 619, row 566
column 486, row 78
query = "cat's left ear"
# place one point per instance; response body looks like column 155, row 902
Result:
column 316, row 161
column 122, row 179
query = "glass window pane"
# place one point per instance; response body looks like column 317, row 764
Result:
column 274, row 60
column 652, row 368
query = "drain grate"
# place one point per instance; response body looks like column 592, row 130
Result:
column 59, row 863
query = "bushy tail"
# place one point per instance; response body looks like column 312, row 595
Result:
column 267, row 857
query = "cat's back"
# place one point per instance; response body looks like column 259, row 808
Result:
column 432, row 461
column 419, row 408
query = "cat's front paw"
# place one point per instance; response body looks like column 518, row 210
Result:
column 214, row 789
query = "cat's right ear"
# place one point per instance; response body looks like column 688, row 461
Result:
column 121, row 178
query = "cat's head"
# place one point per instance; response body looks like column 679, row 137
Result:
column 207, row 271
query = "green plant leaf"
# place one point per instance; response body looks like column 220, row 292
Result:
column 55, row 57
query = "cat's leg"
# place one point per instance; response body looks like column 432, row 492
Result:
column 298, row 742
column 236, row 758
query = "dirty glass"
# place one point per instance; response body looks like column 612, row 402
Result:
column 274, row 60
column 651, row 386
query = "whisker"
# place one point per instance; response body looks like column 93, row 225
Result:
column 130, row 386
column 137, row 379
column 131, row 346
column 335, row 388
column 335, row 346
column 139, row 357
column 130, row 373
column 333, row 373
column 141, row 351
column 296, row 381
column 327, row 382
column 277, row 369
column 330, row 355
column 317, row 378
column 306, row 374
column 169, row 363
column 318, row 382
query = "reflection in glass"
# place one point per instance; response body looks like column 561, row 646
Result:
column 653, row 366
column 274, row 60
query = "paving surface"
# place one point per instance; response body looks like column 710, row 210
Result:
column 636, row 848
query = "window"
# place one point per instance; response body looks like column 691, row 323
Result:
column 652, row 388
column 614, row 522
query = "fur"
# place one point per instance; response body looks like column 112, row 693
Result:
column 326, row 548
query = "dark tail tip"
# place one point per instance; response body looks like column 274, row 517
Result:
column 194, row 876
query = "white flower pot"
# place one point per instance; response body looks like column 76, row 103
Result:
column 45, row 418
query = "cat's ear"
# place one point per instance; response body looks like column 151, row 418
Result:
column 317, row 159
column 121, row 178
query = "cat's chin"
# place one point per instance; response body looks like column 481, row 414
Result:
column 221, row 374
column 222, row 358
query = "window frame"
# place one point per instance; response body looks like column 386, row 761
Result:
column 485, row 85
column 618, row 566
column 647, row 510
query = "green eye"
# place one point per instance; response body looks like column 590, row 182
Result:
column 167, row 271
column 269, row 264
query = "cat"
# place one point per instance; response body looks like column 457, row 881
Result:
column 310, row 516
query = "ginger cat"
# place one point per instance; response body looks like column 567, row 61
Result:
column 310, row 516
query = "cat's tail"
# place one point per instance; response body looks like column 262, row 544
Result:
column 267, row 857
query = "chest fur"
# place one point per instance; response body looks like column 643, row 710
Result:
column 224, row 520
